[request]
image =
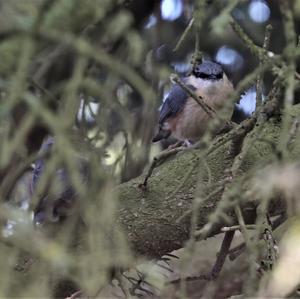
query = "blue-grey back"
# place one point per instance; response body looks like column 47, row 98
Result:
column 174, row 103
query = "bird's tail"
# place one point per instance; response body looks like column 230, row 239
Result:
column 162, row 134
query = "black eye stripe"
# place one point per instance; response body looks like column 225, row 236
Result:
column 208, row 76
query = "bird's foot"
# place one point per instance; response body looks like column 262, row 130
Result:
column 180, row 143
column 175, row 145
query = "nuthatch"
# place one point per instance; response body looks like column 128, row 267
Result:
column 181, row 116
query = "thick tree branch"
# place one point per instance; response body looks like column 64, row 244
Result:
column 150, row 218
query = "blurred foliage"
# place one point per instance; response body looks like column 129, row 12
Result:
column 92, row 74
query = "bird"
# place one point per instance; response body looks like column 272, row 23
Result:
column 181, row 116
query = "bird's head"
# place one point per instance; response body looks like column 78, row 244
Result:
column 209, row 71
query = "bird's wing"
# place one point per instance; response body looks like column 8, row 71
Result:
column 174, row 103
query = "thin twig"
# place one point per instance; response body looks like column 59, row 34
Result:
column 289, row 52
column 248, row 42
column 237, row 227
column 184, row 35
column 259, row 82
column 199, row 100
column 159, row 159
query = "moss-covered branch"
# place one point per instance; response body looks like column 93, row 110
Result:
column 153, row 218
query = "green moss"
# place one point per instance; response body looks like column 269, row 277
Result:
column 152, row 214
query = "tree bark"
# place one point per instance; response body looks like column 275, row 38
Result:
column 150, row 217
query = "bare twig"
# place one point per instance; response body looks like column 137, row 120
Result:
column 255, row 50
column 184, row 34
column 261, row 61
column 236, row 227
column 208, row 109
column 159, row 159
